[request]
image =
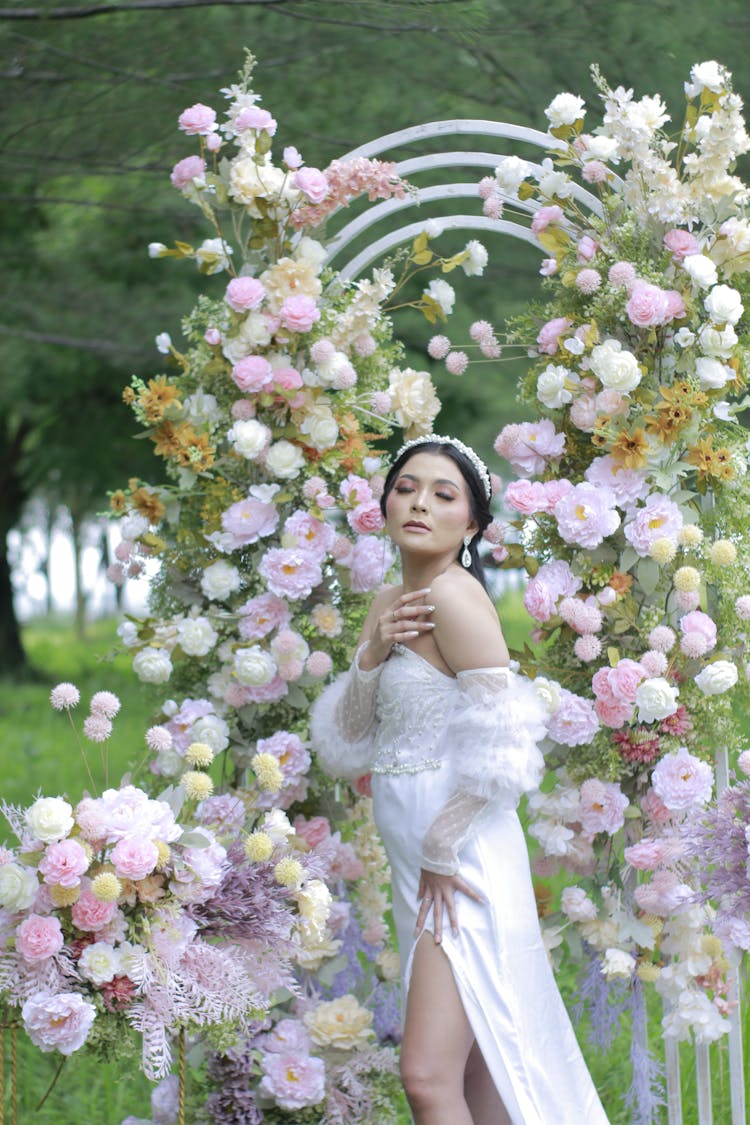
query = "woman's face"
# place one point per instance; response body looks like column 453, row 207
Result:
column 428, row 510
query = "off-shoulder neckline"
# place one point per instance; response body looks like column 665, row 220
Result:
column 405, row 648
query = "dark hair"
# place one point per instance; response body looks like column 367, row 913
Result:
column 478, row 500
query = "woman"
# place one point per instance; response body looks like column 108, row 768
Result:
column 431, row 708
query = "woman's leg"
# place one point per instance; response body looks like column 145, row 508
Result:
column 484, row 1102
column 437, row 1040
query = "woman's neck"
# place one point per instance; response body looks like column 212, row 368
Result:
column 418, row 573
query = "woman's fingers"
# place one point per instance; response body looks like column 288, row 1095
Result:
column 467, row 889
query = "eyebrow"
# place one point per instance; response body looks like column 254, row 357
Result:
column 443, row 480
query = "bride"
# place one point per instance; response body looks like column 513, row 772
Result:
column 449, row 733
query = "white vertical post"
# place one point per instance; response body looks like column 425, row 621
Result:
column 703, row 1084
column 674, row 1091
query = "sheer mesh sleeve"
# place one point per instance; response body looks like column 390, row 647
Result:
column 491, row 743
column 342, row 721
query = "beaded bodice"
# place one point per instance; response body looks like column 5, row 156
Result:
column 414, row 702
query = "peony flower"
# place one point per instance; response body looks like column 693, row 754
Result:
column 293, row 1080
column 413, row 398
column 134, row 857
column 370, row 561
column 601, row 807
column 342, row 1023
column 659, row 518
column 64, row 862
column 549, row 335
column 219, row 581
column 299, row 313
column 290, row 573
column 58, row 1022
column 577, row 905
column 681, row 780
column 718, row 677
column 575, row 722
column 39, row 937
column 616, row 368
column 586, row 515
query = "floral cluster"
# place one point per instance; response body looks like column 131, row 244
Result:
column 630, row 512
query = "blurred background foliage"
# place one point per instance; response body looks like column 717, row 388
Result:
column 91, row 94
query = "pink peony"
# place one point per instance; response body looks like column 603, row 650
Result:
column 699, row 624
column 58, row 1022
column 527, row 497
column 290, row 572
column 89, row 913
column 287, row 378
column 575, row 722
column 64, row 863
column 253, row 374
column 529, row 446
column 675, row 305
column 187, row 170
column 366, row 518
column 680, row 243
column 261, row 615
column 546, row 215
column 550, row 333
column 554, row 490
column 39, row 937
column 602, row 806
column 628, row 485
column 294, row 1080
column 663, row 895
column 659, row 518
column 612, row 713
column 552, row 581
column 134, row 858
column 197, row 120
column 299, row 313
column 623, row 680
column 288, row 1035
column 313, row 535
column 312, row 183
column 586, row 249
column 682, row 780
column 370, row 561
column 646, row 855
column 584, row 413
column 586, row 515
column 249, row 520
column 244, row 293
column 650, row 306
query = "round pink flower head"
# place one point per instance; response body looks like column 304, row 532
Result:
column 63, row 696
column 602, row 806
column 253, row 117
column 97, row 728
column 244, row 293
column 622, row 275
column 682, row 780
column 456, row 363
column 588, row 281
column 39, row 937
column 187, row 170
column 197, row 120
column 58, row 1021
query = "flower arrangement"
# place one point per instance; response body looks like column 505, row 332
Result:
column 630, row 514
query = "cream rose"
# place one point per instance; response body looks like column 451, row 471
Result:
column 700, row 269
column 49, row 819
column 219, row 580
column 99, row 963
column 718, row 342
column 314, row 904
column 196, row 636
column 321, row 427
column 565, row 109
column 617, row 963
column 553, row 386
column 18, row 887
column 341, row 1023
column 724, row 305
column 249, row 437
column 414, row 400
column 712, row 373
column 718, row 677
column 615, row 368
column 285, row 460
column 310, row 250
column 548, row 692
column 249, row 182
column 290, row 277
column 511, row 174
column 655, row 699
column 253, row 666
column 152, row 665
column 253, row 335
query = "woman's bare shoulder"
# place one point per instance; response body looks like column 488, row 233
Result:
column 467, row 629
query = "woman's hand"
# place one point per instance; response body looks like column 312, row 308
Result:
column 403, row 620
column 438, row 892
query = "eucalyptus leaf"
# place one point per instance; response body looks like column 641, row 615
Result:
column 648, row 574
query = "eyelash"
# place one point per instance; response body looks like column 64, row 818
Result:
column 401, row 489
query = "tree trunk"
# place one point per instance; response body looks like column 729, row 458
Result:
column 13, row 496
column 76, row 528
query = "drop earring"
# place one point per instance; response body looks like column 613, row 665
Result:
column 466, row 554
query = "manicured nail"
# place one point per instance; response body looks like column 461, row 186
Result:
column 429, row 607
column 429, row 624
column 413, row 633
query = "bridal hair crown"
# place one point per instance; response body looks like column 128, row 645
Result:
column 468, row 452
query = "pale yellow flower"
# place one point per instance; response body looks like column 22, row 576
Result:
column 288, row 872
column 341, row 1023
column 64, row 896
column 164, row 853
column 289, row 278
column 199, row 754
column 723, row 552
column 268, row 772
column 687, row 579
column 663, row 550
column 258, row 847
column 197, row 785
column 327, row 620
column 690, row 535
column 415, row 403
column 647, row 972
column 106, row 886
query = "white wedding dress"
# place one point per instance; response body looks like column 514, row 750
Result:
column 449, row 758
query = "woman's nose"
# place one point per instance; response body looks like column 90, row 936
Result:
column 419, row 501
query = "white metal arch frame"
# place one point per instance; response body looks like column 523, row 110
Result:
column 376, row 249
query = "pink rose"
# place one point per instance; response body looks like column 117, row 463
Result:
column 370, row 561
column 550, row 333
column 680, row 243
column 64, row 863
column 89, row 913
column 197, row 120
column 39, row 937
column 253, row 374
column 646, row 855
column 298, row 314
column 575, row 722
column 314, row 830
column 546, row 215
column 291, row 157
column 663, row 895
column 527, row 497
column 187, row 170
column 355, row 490
column 613, row 714
column 648, row 305
column 602, row 806
column 675, row 305
column 682, row 780
column 287, row 379
column 366, row 518
column 586, row 249
column 134, row 857
column 553, row 580
column 312, row 183
column 623, row 680
column 253, row 117
column 244, row 293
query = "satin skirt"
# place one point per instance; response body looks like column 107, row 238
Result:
column 498, row 959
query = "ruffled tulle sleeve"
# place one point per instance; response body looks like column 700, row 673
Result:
column 343, row 722
column 491, row 743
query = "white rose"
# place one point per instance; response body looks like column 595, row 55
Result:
column 712, row 373
column 276, row 825
column 196, row 636
column 213, row 730
column 548, row 692
column 156, row 249
column 152, row 665
column 50, row 819
column 127, row 631
column 248, row 182
column 254, row 335
column 253, row 666
column 553, row 183
column 717, row 677
column 249, row 437
column 615, row 368
column 202, row 408
column 511, row 173
column 314, row 905
column 133, row 525
column 565, row 109
column 600, row 148
column 213, row 255
column 553, row 385
column 18, row 887
column 656, row 699
column 99, row 962
column 219, row 580
column 285, row 460
column 718, row 342
column 577, row 905
column 163, row 343
column 415, row 402
column 724, row 305
column 389, row 963
column 168, row 763
column 701, row 269
column 477, row 260
column 309, row 250
column 442, row 293
column 321, row 427
column 706, row 75
column 554, row 838
column 617, row 963
column 684, row 338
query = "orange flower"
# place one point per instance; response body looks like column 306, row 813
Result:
column 170, row 439
column 118, row 501
column 620, row 582
column 149, row 505
column 159, row 396
column 703, row 456
column 128, row 396
column 629, row 450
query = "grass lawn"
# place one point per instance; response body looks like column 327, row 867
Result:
column 40, row 752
